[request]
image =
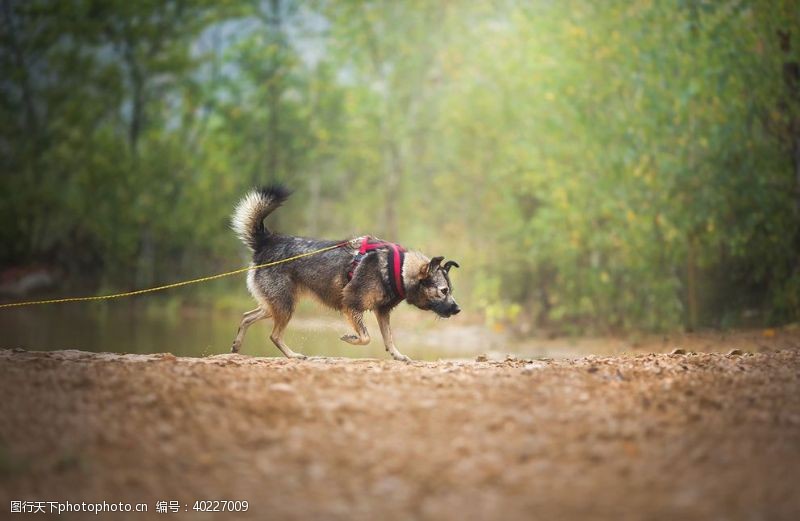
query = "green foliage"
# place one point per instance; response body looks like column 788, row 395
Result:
column 596, row 166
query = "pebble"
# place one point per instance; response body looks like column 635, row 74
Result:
column 281, row 388
column 531, row 367
column 678, row 351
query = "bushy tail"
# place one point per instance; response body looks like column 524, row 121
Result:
column 248, row 217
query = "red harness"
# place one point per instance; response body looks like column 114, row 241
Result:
column 368, row 244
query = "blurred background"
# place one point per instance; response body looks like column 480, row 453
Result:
column 595, row 167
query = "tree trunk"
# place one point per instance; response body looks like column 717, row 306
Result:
column 145, row 263
column 314, row 187
column 393, row 176
column 693, row 308
column 19, row 61
column 146, row 267
column 30, row 222
column 797, row 168
column 136, row 78
column 791, row 80
column 274, row 90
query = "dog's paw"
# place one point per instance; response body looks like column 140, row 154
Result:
column 402, row 358
column 353, row 339
column 296, row 356
column 235, row 348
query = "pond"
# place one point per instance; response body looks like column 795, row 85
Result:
column 123, row 327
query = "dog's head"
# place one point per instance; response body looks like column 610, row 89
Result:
column 431, row 288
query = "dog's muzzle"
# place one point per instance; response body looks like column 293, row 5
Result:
column 446, row 310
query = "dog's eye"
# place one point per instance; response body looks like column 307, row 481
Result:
column 445, row 290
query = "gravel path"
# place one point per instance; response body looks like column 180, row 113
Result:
column 694, row 436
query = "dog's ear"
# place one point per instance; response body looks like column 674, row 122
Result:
column 450, row 264
column 429, row 268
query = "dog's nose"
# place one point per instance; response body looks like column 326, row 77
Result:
column 457, row 310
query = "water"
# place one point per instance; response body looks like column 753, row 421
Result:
column 123, row 328
column 128, row 327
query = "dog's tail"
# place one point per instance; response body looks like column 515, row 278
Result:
column 248, row 217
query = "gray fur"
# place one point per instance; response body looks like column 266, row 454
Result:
column 324, row 276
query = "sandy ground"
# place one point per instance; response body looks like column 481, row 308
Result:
column 651, row 436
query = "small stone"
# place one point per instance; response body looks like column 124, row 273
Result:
column 593, row 369
column 281, row 388
column 481, row 358
column 531, row 367
column 510, row 358
column 735, row 352
column 678, row 351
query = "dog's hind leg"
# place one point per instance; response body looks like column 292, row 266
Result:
column 281, row 318
column 356, row 320
column 247, row 320
column 386, row 333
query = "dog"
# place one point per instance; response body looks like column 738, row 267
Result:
column 352, row 276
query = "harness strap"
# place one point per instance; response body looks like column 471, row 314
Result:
column 368, row 244
column 396, row 269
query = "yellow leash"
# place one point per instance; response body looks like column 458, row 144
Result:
column 169, row 286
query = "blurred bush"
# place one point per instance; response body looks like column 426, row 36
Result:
column 599, row 165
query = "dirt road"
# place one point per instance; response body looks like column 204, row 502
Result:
column 696, row 436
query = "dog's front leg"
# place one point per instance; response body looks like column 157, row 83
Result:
column 356, row 320
column 386, row 332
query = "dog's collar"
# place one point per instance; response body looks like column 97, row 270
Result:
column 395, row 262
